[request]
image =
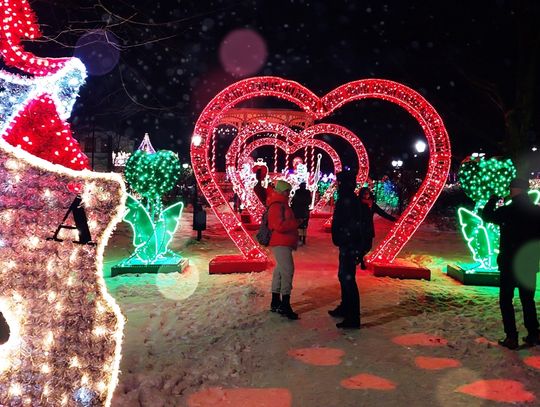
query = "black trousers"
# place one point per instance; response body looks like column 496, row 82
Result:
column 350, row 298
column 366, row 245
column 526, row 284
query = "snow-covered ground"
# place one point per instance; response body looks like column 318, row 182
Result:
column 201, row 340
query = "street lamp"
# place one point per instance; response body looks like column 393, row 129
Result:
column 420, row 146
column 397, row 164
column 534, row 148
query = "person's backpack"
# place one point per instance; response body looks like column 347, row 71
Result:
column 264, row 234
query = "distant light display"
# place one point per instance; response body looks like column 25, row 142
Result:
column 290, row 142
column 319, row 108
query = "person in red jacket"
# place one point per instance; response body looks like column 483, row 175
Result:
column 284, row 240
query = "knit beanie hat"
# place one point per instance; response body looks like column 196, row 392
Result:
column 282, row 186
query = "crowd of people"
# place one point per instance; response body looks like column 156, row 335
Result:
column 353, row 233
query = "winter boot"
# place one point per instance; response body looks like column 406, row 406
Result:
column 285, row 308
column 510, row 342
column 362, row 264
column 276, row 302
column 532, row 339
column 349, row 323
column 338, row 312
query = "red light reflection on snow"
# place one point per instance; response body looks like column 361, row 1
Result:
column 368, row 381
column 429, row 363
column 533, row 361
column 419, row 339
column 484, row 341
column 506, row 391
column 318, row 356
column 245, row 397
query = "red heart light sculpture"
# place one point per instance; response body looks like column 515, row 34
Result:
column 250, row 148
column 252, row 203
column 253, row 257
column 294, row 142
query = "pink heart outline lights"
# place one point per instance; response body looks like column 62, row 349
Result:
column 293, row 142
column 319, row 108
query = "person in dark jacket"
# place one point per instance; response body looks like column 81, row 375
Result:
column 300, row 205
column 284, row 240
column 259, row 190
column 519, row 254
column 368, row 208
column 346, row 234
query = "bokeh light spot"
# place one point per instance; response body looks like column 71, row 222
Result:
column 242, row 52
column 99, row 52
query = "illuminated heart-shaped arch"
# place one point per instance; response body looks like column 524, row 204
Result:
column 294, row 141
column 428, row 118
column 252, row 203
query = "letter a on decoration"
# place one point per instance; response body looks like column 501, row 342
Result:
column 34, row 109
column 64, row 331
column 81, row 223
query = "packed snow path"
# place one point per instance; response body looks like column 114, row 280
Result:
column 198, row 340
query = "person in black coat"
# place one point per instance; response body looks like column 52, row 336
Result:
column 259, row 190
column 347, row 235
column 300, row 205
column 368, row 208
column 519, row 254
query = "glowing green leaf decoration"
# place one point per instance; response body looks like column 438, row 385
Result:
column 144, row 234
column 478, row 238
column 167, row 224
column 151, row 240
column 482, row 237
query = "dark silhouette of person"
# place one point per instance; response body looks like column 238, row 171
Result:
column 199, row 220
column 300, row 205
column 519, row 254
column 236, row 203
column 347, row 235
column 259, row 190
column 368, row 208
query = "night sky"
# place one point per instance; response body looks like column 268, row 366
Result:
column 169, row 63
